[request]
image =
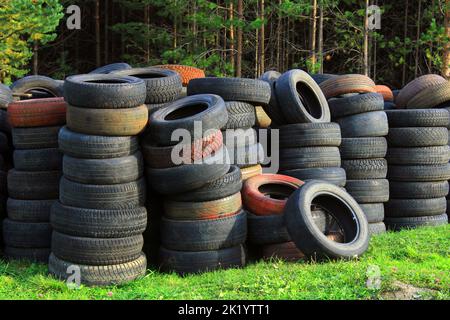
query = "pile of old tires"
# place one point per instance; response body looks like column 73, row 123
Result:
column 203, row 225
column 33, row 184
column 241, row 96
column 359, row 110
column 419, row 168
column 101, row 215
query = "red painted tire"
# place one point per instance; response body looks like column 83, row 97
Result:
column 161, row 157
column 261, row 193
column 387, row 93
column 37, row 113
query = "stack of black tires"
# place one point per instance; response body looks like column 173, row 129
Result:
column 203, row 225
column 419, row 171
column 364, row 126
column 241, row 96
column 33, row 184
column 99, row 220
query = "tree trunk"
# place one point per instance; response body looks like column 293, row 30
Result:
column 239, row 39
column 97, row 34
column 366, row 41
column 416, row 59
column 262, row 39
column 405, row 35
column 320, row 50
column 147, row 33
column 231, row 18
column 106, row 40
column 279, row 31
column 313, row 35
column 122, row 37
column 35, row 58
column 446, row 60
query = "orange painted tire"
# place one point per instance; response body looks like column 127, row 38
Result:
column 161, row 157
column 349, row 83
column 250, row 172
column 37, row 113
column 387, row 93
column 261, row 194
column 187, row 73
column 208, row 210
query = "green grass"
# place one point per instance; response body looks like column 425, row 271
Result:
column 419, row 258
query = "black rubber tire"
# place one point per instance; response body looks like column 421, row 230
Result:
column 101, row 91
column 189, row 177
column 37, row 83
column 264, row 230
column 4, row 143
column 204, row 235
column 377, row 228
column 300, row 98
column 240, row 115
column 374, row 212
column 202, row 261
column 418, row 118
column 29, row 210
column 389, row 105
column 35, row 138
column 424, row 173
column 310, row 135
column 419, row 190
column 415, row 222
column 355, row 104
column 5, row 96
column 309, row 157
column 273, row 108
column 111, row 67
column 96, row 147
column 38, row 255
column 162, row 85
column 4, row 122
column 415, row 207
column 346, row 211
column 34, row 185
column 152, row 108
column 225, row 186
column 363, row 148
column 255, row 92
column 417, row 137
column 100, row 275
column 26, row 235
column 369, row 191
column 370, row 124
column 104, row 171
column 213, row 115
column 3, row 183
column 96, row 251
column 418, row 156
column 336, row 176
column 93, row 223
column 109, row 197
column 38, row 160
column 365, row 169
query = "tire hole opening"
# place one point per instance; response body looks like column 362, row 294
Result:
column 186, row 111
column 309, row 100
column 277, row 191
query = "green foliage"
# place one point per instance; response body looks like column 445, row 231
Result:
column 23, row 22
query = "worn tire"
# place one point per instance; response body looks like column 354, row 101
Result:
column 421, row 173
column 26, row 235
column 369, row 191
column 5, row 96
column 431, row 97
column 104, row 171
column 29, row 210
column 96, row 251
column 415, row 222
column 377, row 228
column 418, row 118
column 349, row 83
column 37, row 83
column 38, row 160
column 187, row 73
column 111, row 67
column 416, row 86
column 83, row 146
column 255, row 92
column 386, row 92
column 419, row 190
column 249, row 172
column 162, row 85
column 309, row 157
column 363, row 148
column 370, row 124
column 35, row 138
column 334, row 175
column 240, row 115
column 417, row 137
column 419, row 155
column 365, row 169
column 100, row 275
column 204, row 235
column 37, row 113
column 107, row 122
column 355, row 104
column 310, row 135
column 34, row 185
column 104, row 91
column 374, row 212
column 110, row 197
column 98, row 223
column 415, row 207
